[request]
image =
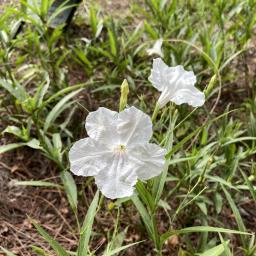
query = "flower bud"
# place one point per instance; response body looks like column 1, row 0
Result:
column 124, row 95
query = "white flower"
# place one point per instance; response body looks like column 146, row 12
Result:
column 175, row 84
column 156, row 49
column 117, row 151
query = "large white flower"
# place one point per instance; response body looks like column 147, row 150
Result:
column 117, row 151
column 175, row 84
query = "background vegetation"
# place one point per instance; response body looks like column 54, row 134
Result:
column 51, row 78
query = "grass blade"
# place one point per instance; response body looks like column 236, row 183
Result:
column 9, row 147
column 250, row 186
column 8, row 253
column 34, row 143
column 116, row 251
column 58, row 109
column 215, row 251
column 60, row 251
column 37, row 183
column 70, row 189
column 143, row 213
column 200, row 229
column 87, row 227
column 237, row 215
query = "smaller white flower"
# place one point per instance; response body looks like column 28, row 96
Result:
column 156, row 49
column 117, row 151
column 175, row 84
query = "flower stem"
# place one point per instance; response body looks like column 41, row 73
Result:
column 77, row 222
column 156, row 235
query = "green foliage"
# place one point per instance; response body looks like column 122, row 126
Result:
column 86, row 229
column 49, row 75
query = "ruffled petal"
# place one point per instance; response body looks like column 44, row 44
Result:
column 148, row 160
column 118, row 179
column 101, row 125
column 88, row 157
column 157, row 74
column 190, row 95
column 134, row 126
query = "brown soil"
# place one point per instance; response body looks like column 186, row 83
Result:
column 18, row 204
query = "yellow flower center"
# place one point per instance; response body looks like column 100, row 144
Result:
column 119, row 148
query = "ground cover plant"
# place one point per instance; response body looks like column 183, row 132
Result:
column 166, row 164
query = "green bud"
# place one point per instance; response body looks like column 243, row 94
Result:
column 124, row 95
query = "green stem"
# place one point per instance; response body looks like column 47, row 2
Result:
column 155, row 113
column 77, row 221
column 156, row 236
column 150, row 221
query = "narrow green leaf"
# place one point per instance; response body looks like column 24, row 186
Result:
column 143, row 213
column 34, row 143
column 153, row 34
column 82, row 57
column 39, row 251
column 36, row 183
column 9, row 147
column 238, row 140
column 218, row 202
column 225, row 244
column 196, row 229
column 112, row 42
column 70, row 188
column 8, row 253
column 250, row 186
column 58, row 108
column 57, row 143
column 93, row 20
column 117, row 250
column 145, row 196
column 23, row 133
column 87, row 227
column 215, row 251
column 217, row 179
column 237, row 215
column 16, row 90
column 60, row 251
column 116, row 240
column 59, row 16
column 40, row 93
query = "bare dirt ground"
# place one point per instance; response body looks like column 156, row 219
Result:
column 4, row 3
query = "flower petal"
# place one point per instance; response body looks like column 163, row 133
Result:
column 134, row 126
column 190, row 95
column 118, row 180
column 101, row 125
column 159, row 70
column 88, row 157
column 148, row 160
